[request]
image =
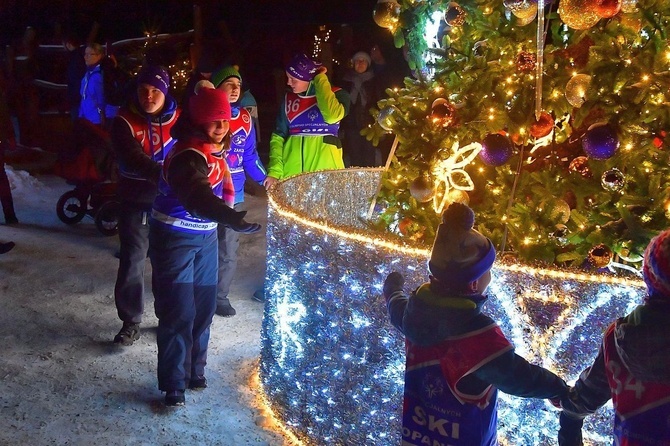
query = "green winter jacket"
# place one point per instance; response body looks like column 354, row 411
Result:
column 291, row 155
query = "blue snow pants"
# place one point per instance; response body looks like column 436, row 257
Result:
column 184, row 277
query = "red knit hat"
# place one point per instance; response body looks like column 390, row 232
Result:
column 208, row 104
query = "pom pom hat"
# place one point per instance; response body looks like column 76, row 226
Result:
column 302, row 67
column 460, row 254
column 155, row 76
column 224, row 73
column 208, row 104
column 656, row 268
column 362, row 55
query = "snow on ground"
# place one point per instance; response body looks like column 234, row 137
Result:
column 66, row 383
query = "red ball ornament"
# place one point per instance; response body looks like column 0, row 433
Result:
column 607, row 8
column 403, row 225
column 658, row 139
column 542, row 126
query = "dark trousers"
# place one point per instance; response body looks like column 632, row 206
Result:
column 5, row 190
column 229, row 241
column 134, row 240
column 184, row 286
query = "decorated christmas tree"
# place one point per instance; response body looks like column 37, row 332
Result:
column 548, row 118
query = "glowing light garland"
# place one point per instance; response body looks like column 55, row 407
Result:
column 332, row 365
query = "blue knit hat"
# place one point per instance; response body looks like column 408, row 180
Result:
column 155, row 76
column 460, row 254
column 656, row 268
column 302, row 67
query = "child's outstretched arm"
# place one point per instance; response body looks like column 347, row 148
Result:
column 396, row 299
column 590, row 392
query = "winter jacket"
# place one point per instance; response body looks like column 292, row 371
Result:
column 305, row 138
column 457, row 359
column 195, row 190
column 92, row 105
column 141, row 143
column 242, row 158
column 633, row 369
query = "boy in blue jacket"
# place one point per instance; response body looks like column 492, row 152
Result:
column 242, row 160
column 451, row 342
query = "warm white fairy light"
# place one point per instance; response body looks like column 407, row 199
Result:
column 331, row 364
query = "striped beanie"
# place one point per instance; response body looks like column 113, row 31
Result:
column 656, row 269
column 460, row 254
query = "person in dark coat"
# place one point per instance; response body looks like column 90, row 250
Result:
column 453, row 345
column 141, row 140
column 632, row 367
column 195, row 195
column 360, row 82
column 7, row 140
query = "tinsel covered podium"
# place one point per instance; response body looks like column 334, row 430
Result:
column 332, row 365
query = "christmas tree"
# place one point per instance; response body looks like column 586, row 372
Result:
column 548, row 118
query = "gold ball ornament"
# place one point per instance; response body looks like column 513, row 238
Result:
column 458, row 196
column 442, row 113
column 422, row 189
column 522, row 9
column 455, row 15
column 558, row 211
column 525, row 61
column 628, row 6
column 386, row 13
column 600, row 256
column 576, row 89
column 524, row 21
column 578, row 14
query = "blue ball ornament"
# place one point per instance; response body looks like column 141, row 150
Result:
column 600, row 141
column 496, row 149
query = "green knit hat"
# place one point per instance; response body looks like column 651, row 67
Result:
column 224, row 73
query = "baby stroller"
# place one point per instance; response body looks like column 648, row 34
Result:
column 89, row 168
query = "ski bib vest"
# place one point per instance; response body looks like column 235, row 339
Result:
column 169, row 211
column 435, row 412
column 154, row 137
column 641, row 409
column 305, row 118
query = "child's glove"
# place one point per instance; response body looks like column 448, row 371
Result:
column 394, row 282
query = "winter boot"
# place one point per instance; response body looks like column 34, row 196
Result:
column 128, row 334
column 225, row 310
column 175, row 398
column 197, row 383
column 6, row 247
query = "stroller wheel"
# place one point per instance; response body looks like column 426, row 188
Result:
column 107, row 218
column 71, row 208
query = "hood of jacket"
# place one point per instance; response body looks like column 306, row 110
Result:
column 643, row 341
column 430, row 317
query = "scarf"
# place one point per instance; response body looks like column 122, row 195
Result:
column 357, row 80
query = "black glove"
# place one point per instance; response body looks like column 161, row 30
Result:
column 238, row 224
column 393, row 282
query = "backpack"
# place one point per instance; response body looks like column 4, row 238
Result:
column 117, row 84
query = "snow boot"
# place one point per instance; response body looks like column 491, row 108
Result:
column 128, row 334
column 175, row 398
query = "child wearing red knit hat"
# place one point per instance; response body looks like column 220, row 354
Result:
column 632, row 367
column 195, row 195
